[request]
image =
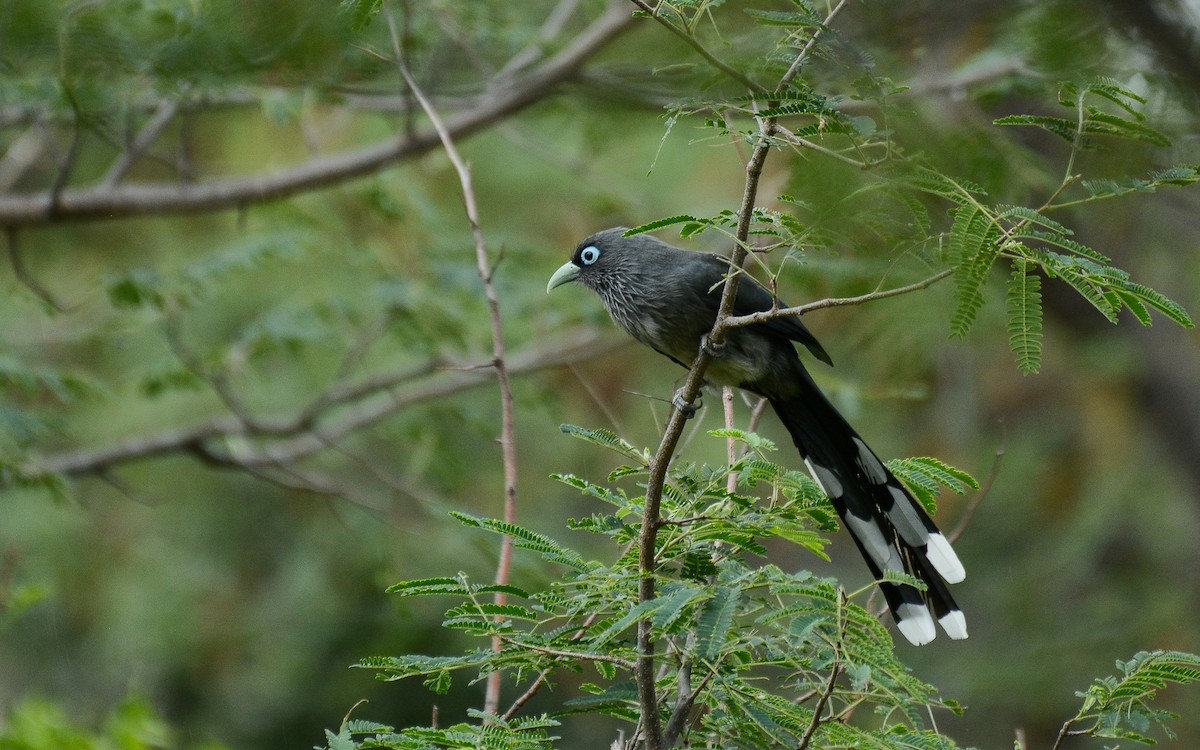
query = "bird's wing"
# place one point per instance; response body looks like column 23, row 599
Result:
column 753, row 297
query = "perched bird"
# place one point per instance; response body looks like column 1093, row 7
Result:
column 667, row 298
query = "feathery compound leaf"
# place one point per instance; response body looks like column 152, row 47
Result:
column 660, row 223
column 973, row 248
column 1025, row 317
column 1181, row 175
column 1103, row 123
column 1119, row 706
column 1158, row 301
column 791, row 19
column 712, row 626
column 958, row 191
column 675, row 605
column 429, row 587
column 1031, row 216
column 605, row 439
column 929, row 474
column 1066, row 243
column 599, row 491
column 526, row 539
column 1085, row 276
column 1059, row 126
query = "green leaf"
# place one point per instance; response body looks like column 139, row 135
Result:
column 1063, row 128
column 973, row 248
column 925, row 476
column 606, row 439
column 1103, row 123
column 140, row 287
column 1158, row 301
column 502, row 588
column 790, row 19
column 1025, row 317
column 430, row 587
column 660, row 223
column 620, row 625
column 1066, row 243
column 361, row 12
column 1029, row 215
column 523, row 538
column 715, row 620
column 749, row 438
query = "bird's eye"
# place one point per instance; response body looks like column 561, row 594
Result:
column 589, row 255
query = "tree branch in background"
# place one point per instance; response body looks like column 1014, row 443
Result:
column 17, row 259
column 163, row 115
column 345, row 407
column 501, row 98
column 508, row 439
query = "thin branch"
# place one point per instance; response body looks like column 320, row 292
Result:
column 808, row 48
column 216, row 380
column 571, row 655
column 55, row 194
column 541, row 678
column 297, row 437
column 969, row 512
column 695, row 44
column 1064, row 733
column 508, row 429
column 163, row 114
column 17, row 259
column 806, row 738
column 711, row 344
column 551, row 28
column 738, row 321
column 97, row 202
column 683, row 708
column 813, row 146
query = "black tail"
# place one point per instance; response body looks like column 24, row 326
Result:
column 892, row 530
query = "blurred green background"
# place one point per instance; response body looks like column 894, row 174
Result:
column 227, row 589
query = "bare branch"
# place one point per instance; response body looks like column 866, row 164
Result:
column 508, row 430
column 737, row 321
column 965, row 519
column 98, row 202
column 695, row 44
column 551, row 28
column 834, row 672
column 290, row 439
column 163, row 114
column 17, row 259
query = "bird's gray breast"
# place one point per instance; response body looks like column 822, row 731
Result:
column 674, row 319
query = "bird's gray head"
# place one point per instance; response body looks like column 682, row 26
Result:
column 607, row 258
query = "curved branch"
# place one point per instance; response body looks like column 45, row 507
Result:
column 358, row 406
column 737, row 321
column 101, row 202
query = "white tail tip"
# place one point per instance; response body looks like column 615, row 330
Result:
column 955, row 625
column 941, row 556
column 915, row 622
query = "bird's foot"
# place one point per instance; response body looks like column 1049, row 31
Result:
column 689, row 410
column 713, row 349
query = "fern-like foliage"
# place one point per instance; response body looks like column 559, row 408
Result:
column 751, row 638
column 1118, row 707
column 1025, row 317
column 752, row 645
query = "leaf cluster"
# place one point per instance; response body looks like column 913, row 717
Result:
column 749, row 643
column 1118, row 707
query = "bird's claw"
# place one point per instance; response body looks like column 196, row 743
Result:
column 707, row 344
column 689, row 410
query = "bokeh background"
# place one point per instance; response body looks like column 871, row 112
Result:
column 217, row 591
